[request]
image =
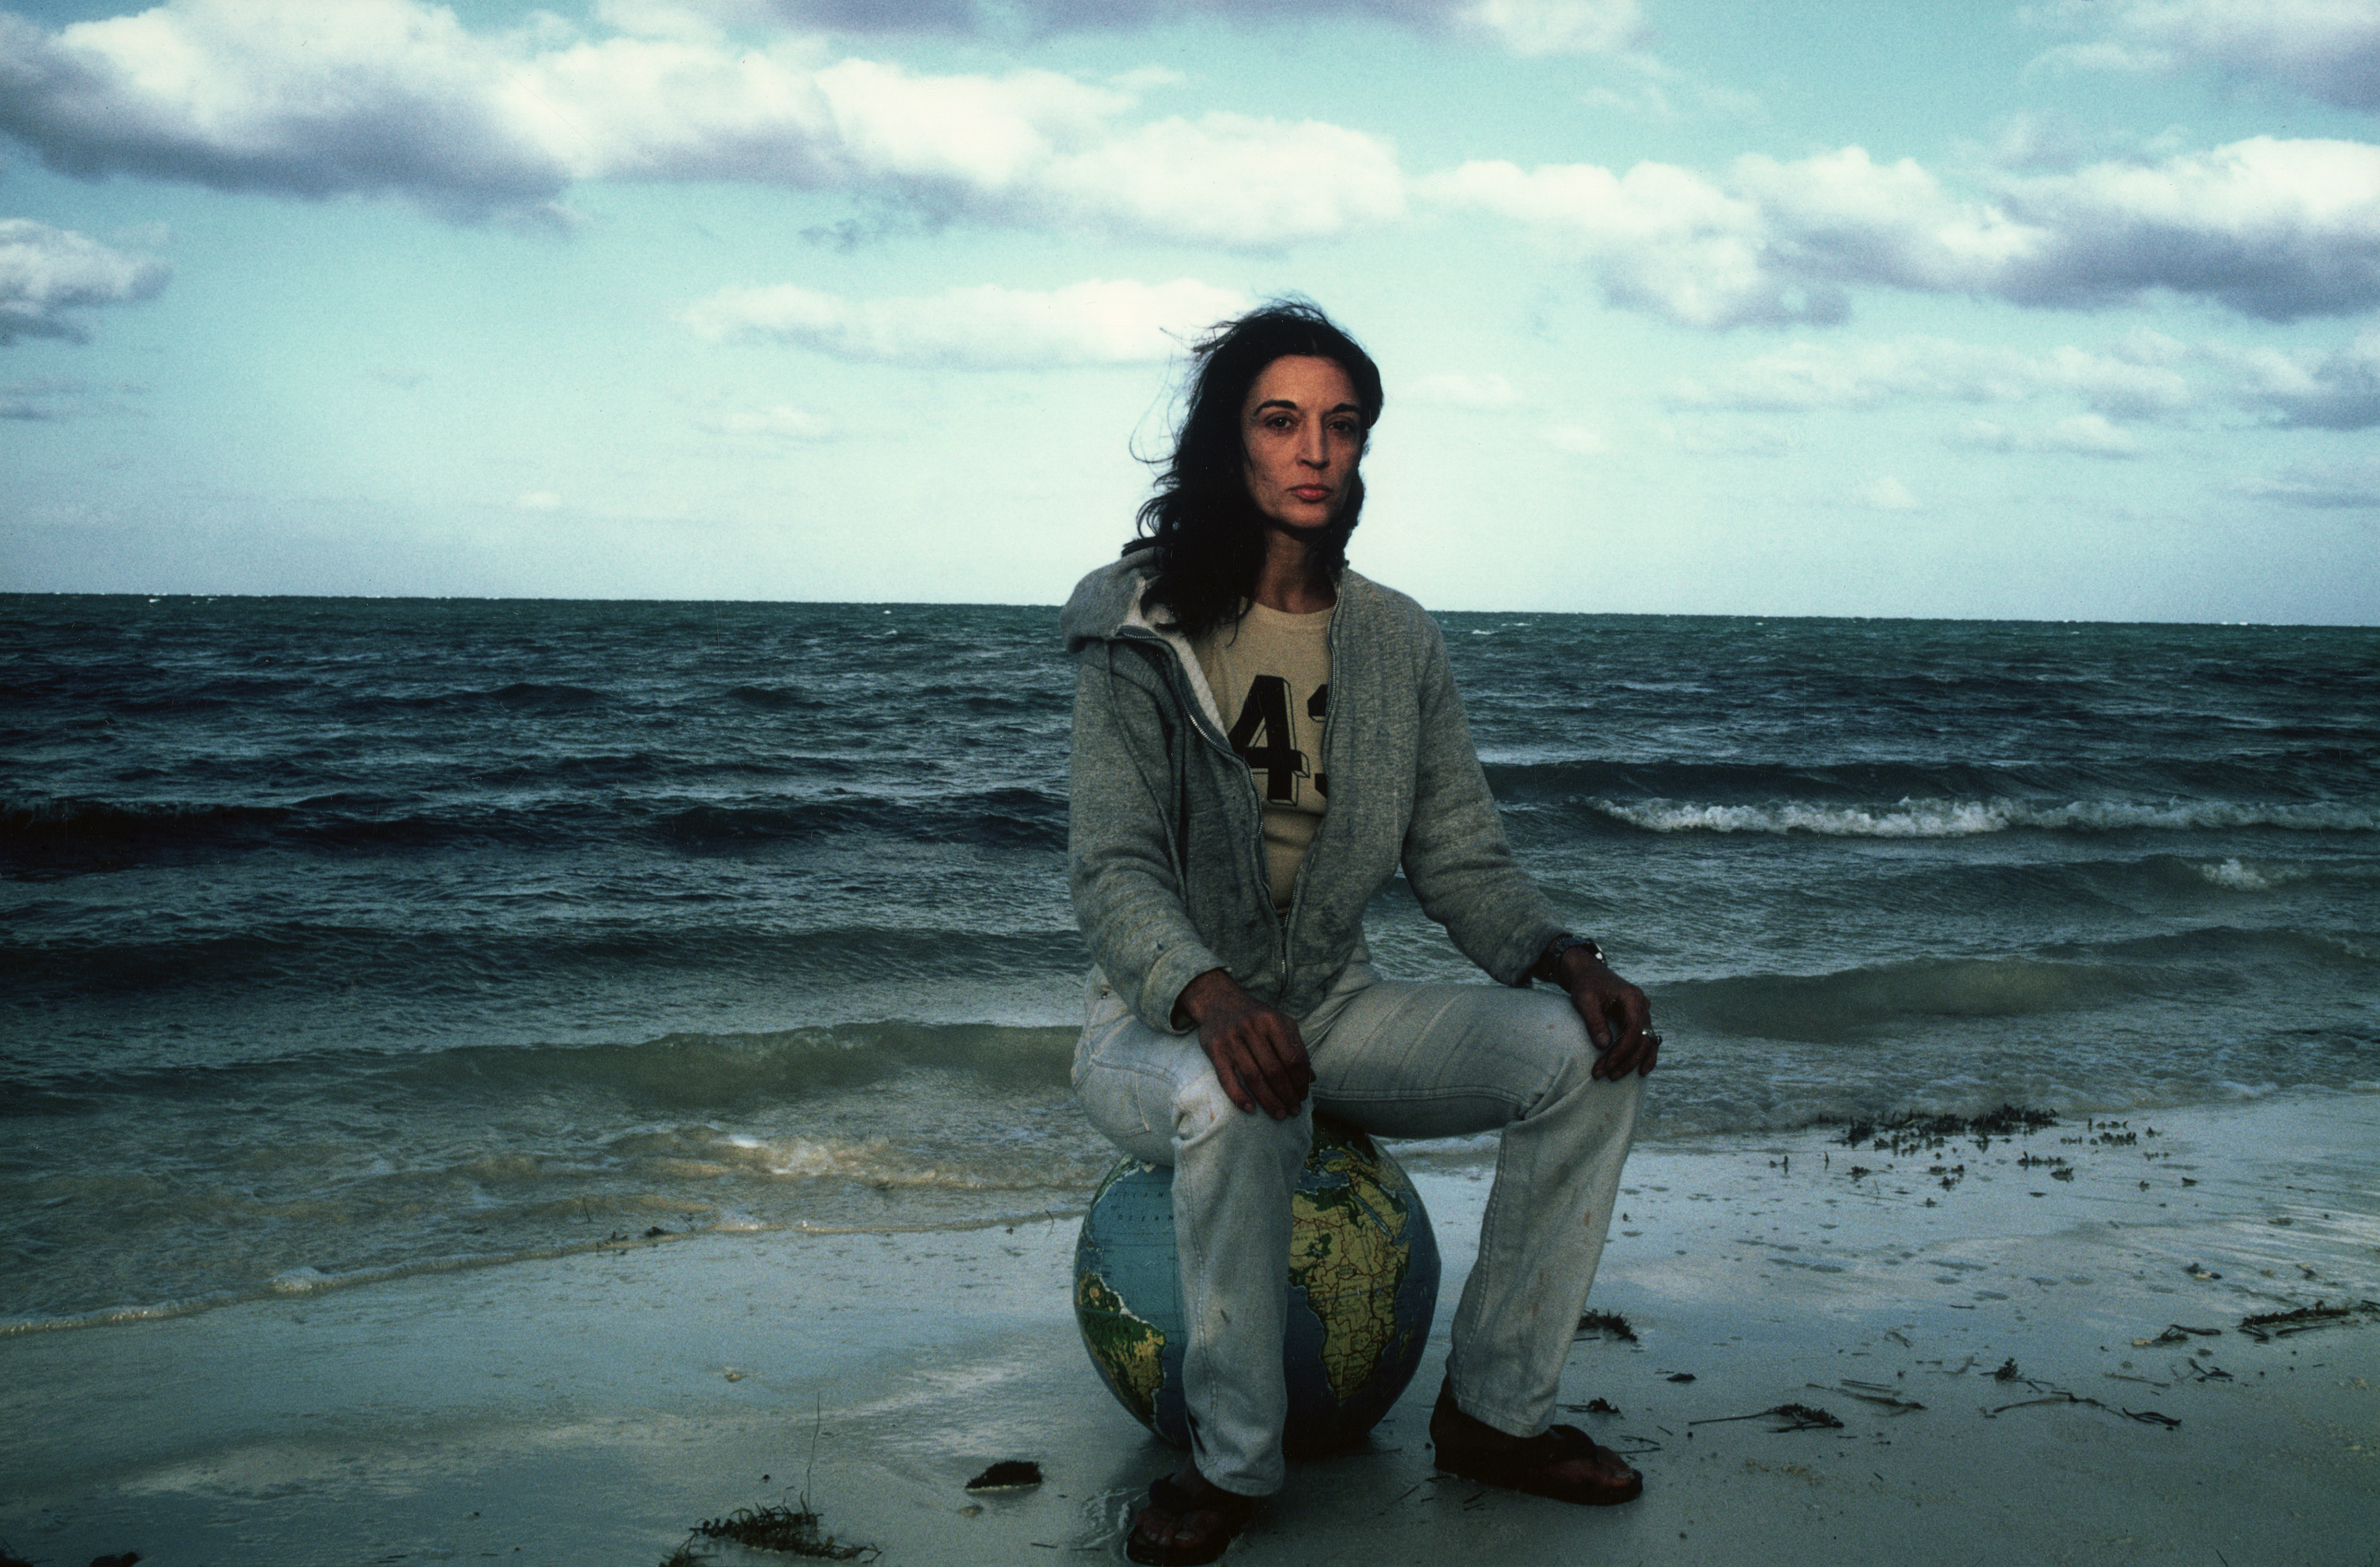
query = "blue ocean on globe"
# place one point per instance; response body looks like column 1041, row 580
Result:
column 1363, row 1289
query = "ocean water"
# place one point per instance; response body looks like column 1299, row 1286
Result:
column 344, row 938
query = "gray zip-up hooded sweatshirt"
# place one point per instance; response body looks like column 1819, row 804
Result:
column 1165, row 854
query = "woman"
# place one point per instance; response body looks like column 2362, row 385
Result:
column 1262, row 738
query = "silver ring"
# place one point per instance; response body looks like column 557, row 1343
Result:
column 1652, row 1039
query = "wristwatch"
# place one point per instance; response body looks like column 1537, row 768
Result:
column 1549, row 965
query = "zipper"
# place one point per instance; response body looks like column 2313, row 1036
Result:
column 1220, row 742
column 1323, row 766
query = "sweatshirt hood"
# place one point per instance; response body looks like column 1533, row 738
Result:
column 1108, row 600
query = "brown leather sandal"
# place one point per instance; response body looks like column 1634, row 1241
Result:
column 1560, row 1461
column 1204, row 1523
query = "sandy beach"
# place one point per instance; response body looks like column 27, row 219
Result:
column 1998, row 1342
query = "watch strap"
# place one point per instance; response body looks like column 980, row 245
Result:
column 1549, row 964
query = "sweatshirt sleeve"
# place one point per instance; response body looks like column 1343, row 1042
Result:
column 1455, row 855
column 1122, row 863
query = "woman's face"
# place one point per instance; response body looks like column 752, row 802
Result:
column 1303, row 432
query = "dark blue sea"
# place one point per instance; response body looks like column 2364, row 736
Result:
column 344, row 938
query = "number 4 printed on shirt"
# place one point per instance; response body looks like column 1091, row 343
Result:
column 1265, row 739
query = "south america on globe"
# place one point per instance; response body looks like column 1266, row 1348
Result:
column 1363, row 1287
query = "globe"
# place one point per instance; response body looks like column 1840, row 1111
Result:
column 1363, row 1287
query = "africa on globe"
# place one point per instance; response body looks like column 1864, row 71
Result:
column 1363, row 1287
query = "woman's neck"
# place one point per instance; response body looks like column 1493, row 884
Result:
column 1292, row 580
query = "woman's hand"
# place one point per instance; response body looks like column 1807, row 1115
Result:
column 1618, row 1016
column 1258, row 1054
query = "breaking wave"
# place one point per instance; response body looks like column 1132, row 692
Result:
column 1969, row 818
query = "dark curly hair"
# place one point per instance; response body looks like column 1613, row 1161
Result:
column 1209, row 533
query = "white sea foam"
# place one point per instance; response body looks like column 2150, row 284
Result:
column 1966, row 818
column 2241, row 876
column 878, row 1163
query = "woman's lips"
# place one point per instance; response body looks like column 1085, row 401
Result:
column 1310, row 493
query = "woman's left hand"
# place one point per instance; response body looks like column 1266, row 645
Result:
column 1618, row 1016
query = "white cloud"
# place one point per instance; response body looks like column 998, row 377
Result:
column 1862, row 375
column 2268, row 227
column 1454, row 389
column 537, row 500
column 2326, row 485
column 979, row 328
column 1546, row 27
column 2338, row 390
column 1646, row 101
column 1888, row 494
column 393, row 96
column 2326, row 49
column 46, row 272
column 1526, row 27
column 397, row 98
column 782, row 422
column 1579, row 441
column 2088, row 435
column 280, row 95
column 1222, row 179
column 2085, row 435
column 1661, row 238
column 2144, row 375
column 2135, row 380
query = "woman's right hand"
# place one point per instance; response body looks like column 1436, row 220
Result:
column 1258, row 1056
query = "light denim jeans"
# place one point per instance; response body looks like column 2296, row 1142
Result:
column 1400, row 1060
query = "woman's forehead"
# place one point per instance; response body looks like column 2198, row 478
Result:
column 1307, row 380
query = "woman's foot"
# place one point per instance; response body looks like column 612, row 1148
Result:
column 1187, row 1521
column 1561, row 1461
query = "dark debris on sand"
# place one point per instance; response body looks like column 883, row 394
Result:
column 1927, row 1134
column 1610, row 1324
column 2267, row 1325
column 793, row 1530
column 2179, row 1332
column 1796, row 1417
column 1007, row 1472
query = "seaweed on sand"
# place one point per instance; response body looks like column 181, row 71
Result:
column 2267, row 1325
column 1007, row 1474
column 1610, row 1323
column 791, row 1529
column 1797, row 1417
column 1919, row 1134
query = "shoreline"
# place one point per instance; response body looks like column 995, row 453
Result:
column 594, row 1407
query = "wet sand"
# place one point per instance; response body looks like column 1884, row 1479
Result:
column 592, row 1408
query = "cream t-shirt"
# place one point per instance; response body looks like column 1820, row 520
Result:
column 1271, row 675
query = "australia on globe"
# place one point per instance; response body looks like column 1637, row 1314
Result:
column 1362, row 1286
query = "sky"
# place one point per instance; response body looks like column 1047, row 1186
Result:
column 2059, row 311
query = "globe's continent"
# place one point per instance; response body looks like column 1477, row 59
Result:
column 1347, row 1252
column 1129, row 1350
column 1363, row 1264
